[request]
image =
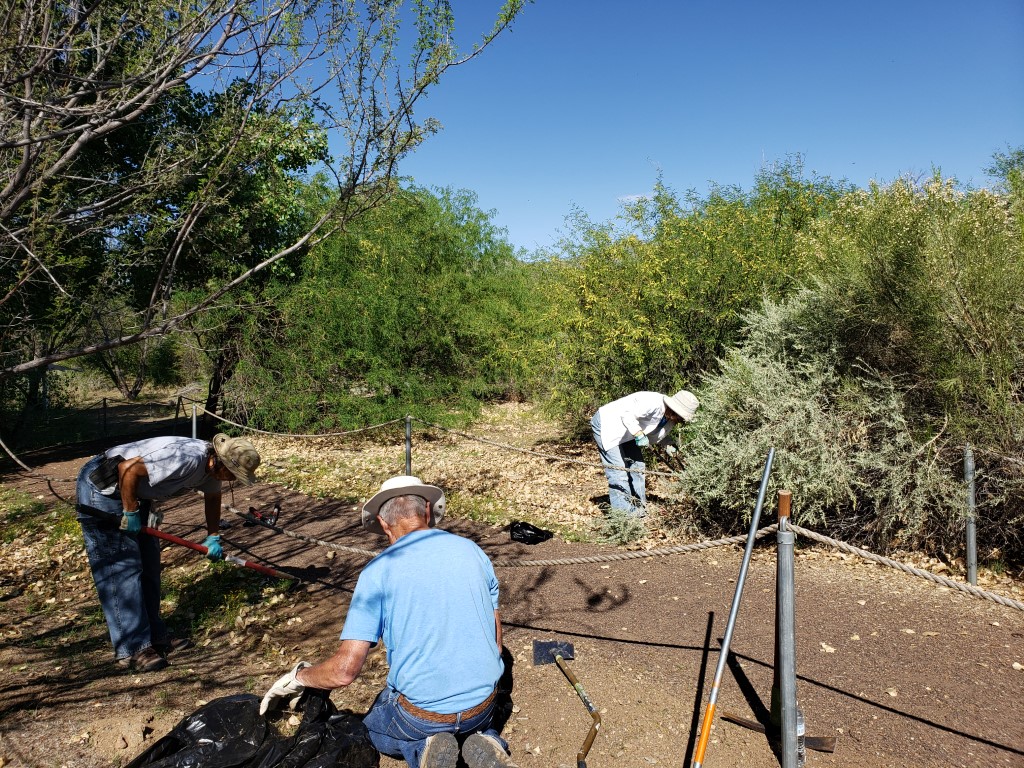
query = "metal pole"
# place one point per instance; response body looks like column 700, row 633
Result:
column 709, row 713
column 408, row 444
column 972, row 537
column 784, row 704
column 194, row 430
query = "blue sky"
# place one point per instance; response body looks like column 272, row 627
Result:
column 584, row 102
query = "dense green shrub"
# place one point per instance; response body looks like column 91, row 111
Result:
column 655, row 306
column 419, row 307
column 844, row 443
column 908, row 346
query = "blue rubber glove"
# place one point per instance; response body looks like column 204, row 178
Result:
column 642, row 441
column 213, row 548
column 131, row 522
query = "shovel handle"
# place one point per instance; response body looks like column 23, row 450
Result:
column 581, row 756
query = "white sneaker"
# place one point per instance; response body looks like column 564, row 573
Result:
column 480, row 751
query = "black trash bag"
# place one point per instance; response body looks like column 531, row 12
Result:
column 525, row 533
column 230, row 733
column 222, row 734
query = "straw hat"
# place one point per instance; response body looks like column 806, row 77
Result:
column 403, row 485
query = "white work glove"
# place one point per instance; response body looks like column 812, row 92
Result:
column 155, row 518
column 287, row 687
column 670, row 450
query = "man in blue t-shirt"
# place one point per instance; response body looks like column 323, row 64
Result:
column 431, row 597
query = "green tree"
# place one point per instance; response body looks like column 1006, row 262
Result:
column 103, row 181
column 421, row 305
column 657, row 305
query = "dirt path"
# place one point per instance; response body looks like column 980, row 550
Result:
column 902, row 672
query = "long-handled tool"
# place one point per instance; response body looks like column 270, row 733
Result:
column 709, row 713
column 546, row 652
column 267, row 571
column 191, row 545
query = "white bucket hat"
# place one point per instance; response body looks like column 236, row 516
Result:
column 238, row 455
column 684, row 403
column 403, row 485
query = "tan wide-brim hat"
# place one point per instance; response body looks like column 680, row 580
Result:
column 683, row 403
column 403, row 485
column 238, row 455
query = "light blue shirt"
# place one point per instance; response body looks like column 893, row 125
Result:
column 431, row 597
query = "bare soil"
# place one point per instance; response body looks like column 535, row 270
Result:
column 902, row 672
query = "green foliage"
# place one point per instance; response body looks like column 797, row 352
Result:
column 925, row 284
column 619, row 527
column 906, row 347
column 655, row 307
column 845, row 445
column 420, row 306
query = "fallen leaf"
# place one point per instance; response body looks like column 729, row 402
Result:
column 909, row 631
column 892, row 692
column 855, row 637
column 862, row 602
column 930, row 634
column 827, row 648
column 1018, row 666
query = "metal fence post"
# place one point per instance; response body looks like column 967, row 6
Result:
column 972, row 536
column 408, row 444
column 784, row 708
column 194, row 425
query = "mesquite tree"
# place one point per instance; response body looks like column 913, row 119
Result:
column 150, row 152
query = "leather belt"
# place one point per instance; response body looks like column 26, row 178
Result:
column 434, row 717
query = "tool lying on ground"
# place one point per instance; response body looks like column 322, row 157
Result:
column 268, row 518
column 817, row 743
column 548, row 651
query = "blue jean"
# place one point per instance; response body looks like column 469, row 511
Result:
column 624, row 467
column 125, row 568
column 397, row 733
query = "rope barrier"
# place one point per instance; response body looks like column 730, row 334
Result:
column 548, row 456
column 289, row 434
column 635, row 554
column 933, row 577
column 301, row 537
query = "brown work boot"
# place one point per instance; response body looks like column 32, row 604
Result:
column 480, row 751
column 146, row 660
column 172, row 645
column 440, row 751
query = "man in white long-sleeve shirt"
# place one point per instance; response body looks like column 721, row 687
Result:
column 622, row 428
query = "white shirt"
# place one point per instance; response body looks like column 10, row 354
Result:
column 639, row 412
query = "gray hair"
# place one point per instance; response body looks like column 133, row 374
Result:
column 393, row 510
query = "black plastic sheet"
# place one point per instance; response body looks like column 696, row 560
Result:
column 230, row 733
